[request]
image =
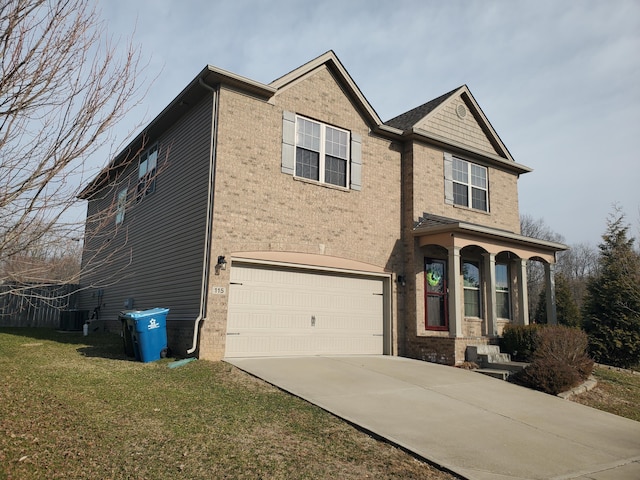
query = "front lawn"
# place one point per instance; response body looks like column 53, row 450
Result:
column 617, row 392
column 75, row 407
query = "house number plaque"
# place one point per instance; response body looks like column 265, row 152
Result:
column 218, row 291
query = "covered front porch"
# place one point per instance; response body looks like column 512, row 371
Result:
column 474, row 282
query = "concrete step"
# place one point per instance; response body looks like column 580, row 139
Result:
column 512, row 367
column 494, row 372
column 491, row 358
column 473, row 352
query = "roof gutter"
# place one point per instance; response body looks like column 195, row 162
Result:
column 420, row 134
column 206, row 265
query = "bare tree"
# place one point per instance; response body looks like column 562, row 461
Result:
column 64, row 85
column 536, row 228
column 578, row 265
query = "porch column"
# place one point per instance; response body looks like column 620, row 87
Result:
column 490, row 279
column 550, row 281
column 523, row 296
column 455, row 293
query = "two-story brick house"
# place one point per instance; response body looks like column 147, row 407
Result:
column 288, row 219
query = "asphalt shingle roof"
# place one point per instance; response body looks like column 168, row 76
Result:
column 407, row 120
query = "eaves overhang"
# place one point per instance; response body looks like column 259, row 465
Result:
column 418, row 134
column 503, row 236
column 209, row 78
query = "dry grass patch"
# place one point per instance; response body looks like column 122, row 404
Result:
column 75, row 407
column 617, row 392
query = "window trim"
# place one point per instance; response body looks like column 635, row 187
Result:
column 477, row 290
column 451, row 181
column 322, row 152
column 121, row 205
column 288, row 160
column 504, row 290
column 147, row 171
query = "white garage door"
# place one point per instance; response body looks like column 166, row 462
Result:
column 277, row 312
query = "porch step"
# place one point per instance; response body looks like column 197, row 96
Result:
column 494, row 372
column 474, row 351
column 491, row 358
column 512, row 367
column 492, row 362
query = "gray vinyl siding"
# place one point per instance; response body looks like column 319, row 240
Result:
column 162, row 236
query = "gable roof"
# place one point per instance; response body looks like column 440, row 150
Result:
column 402, row 126
column 414, row 123
column 331, row 61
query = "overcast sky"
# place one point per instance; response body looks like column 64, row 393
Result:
column 559, row 80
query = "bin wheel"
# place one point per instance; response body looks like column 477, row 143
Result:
column 165, row 352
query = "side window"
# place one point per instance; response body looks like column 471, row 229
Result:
column 121, row 206
column 320, row 152
column 147, row 169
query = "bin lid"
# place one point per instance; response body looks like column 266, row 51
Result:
column 147, row 313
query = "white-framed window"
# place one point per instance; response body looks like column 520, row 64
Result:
column 471, row 278
column 466, row 183
column 469, row 185
column 147, row 169
column 322, row 152
column 121, row 206
column 503, row 295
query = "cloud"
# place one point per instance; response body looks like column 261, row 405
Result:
column 557, row 80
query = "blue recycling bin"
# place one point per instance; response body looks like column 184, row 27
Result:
column 148, row 333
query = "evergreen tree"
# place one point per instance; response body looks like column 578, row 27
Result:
column 612, row 303
column 566, row 309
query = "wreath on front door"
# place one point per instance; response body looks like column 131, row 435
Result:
column 433, row 278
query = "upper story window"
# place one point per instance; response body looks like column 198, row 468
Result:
column 147, row 169
column 466, row 184
column 469, row 184
column 322, row 152
column 121, row 206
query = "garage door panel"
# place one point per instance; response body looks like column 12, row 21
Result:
column 292, row 312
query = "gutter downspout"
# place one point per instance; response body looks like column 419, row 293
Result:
column 206, row 265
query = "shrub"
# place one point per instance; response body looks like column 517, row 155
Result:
column 560, row 360
column 548, row 376
column 518, row 341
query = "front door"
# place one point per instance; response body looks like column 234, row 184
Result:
column 435, row 281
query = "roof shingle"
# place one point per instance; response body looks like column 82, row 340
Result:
column 407, row 120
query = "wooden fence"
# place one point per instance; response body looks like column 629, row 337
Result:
column 35, row 306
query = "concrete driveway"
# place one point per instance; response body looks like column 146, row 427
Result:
column 473, row 425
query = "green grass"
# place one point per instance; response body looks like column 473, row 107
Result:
column 75, row 407
column 617, row 392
